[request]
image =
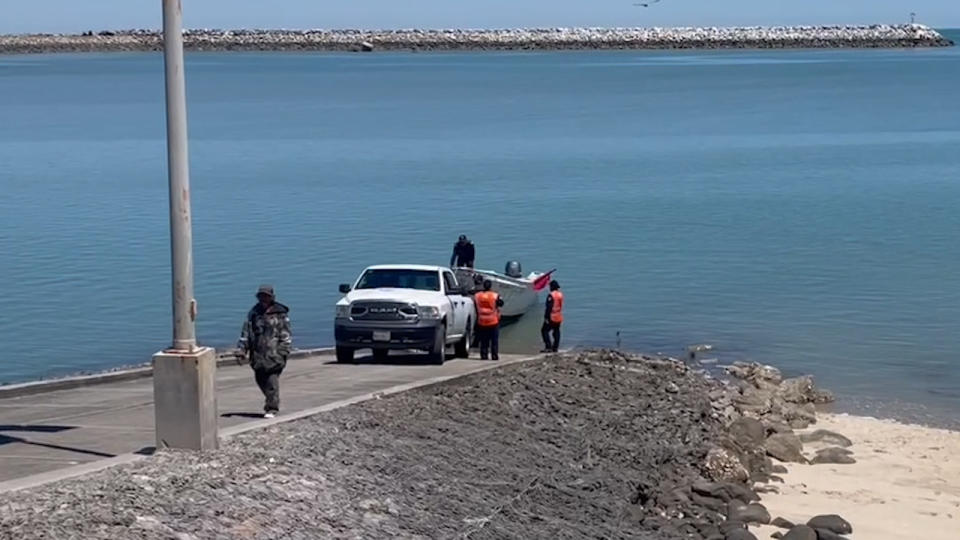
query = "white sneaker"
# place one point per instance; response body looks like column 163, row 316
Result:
column 269, row 415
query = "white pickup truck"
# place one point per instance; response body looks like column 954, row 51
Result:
column 404, row 307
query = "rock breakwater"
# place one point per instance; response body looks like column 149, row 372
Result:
column 873, row 36
column 593, row 444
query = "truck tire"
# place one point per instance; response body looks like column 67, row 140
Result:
column 462, row 348
column 438, row 355
column 344, row 355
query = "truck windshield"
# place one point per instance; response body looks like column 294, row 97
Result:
column 421, row 280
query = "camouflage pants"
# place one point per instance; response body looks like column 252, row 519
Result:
column 269, row 382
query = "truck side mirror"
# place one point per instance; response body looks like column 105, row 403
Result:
column 344, row 288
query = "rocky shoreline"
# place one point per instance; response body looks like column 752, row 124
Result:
column 592, row 444
column 872, row 36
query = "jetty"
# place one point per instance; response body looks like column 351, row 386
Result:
column 58, row 429
column 776, row 37
column 593, row 443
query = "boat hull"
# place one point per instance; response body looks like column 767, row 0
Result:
column 518, row 294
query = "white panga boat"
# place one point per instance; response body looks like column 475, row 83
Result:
column 519, row 293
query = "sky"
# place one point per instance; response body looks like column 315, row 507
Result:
column 55, row 16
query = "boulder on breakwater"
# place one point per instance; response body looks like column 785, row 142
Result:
column 872, row 36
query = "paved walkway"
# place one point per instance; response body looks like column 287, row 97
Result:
column 56, row 430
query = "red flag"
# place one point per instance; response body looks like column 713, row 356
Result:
column 541, row 282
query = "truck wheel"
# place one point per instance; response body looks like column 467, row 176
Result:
column 462, row 348
column 438, row 354
column 344, row 355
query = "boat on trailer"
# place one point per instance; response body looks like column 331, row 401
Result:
column 519, row 293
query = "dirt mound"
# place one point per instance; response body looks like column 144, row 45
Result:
column 597, row 444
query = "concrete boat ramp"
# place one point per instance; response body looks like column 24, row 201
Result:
column 58, row 434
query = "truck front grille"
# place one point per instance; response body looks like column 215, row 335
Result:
column 382, row 311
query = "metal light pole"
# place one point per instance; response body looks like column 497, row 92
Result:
column 181, row 248
column 184, row 376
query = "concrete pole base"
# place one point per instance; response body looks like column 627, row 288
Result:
column 185, row 399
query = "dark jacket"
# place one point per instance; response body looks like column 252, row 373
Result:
column 463, row 255
column 266, row 338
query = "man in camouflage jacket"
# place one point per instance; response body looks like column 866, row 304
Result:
column 266, row 342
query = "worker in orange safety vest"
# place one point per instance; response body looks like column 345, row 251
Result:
column 552, row 319
column 488, row 321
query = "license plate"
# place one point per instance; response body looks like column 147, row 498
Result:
column 381, row 335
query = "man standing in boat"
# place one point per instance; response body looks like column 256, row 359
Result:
column 552, row 319
column 488, row 321
column 463, row 253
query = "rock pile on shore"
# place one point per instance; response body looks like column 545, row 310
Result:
column 765, row 409
column 597, row 444
column 909, row 35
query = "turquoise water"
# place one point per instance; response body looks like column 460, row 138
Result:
column 793, row 207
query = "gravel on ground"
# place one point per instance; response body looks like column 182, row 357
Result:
column 596, row 444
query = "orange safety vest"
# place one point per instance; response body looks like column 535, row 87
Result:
column 488, row 314
column 556, row 314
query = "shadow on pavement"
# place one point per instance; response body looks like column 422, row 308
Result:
column 401, row 359
column 36, row 428
column 7, row 439
column 241, row 415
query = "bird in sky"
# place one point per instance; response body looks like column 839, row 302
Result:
column 647, row 4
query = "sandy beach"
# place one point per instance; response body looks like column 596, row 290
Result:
column 904, row 486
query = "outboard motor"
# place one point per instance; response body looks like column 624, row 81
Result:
column 513, row 270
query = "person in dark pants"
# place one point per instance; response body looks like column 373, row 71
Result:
column 464, row 253
column 488, row 321
column 266, row 342
column 552, row 319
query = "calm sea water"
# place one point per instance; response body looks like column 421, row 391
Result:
column 792, row 207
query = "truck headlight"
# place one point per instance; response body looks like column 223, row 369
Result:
column 428, row 312
column 343, row 312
